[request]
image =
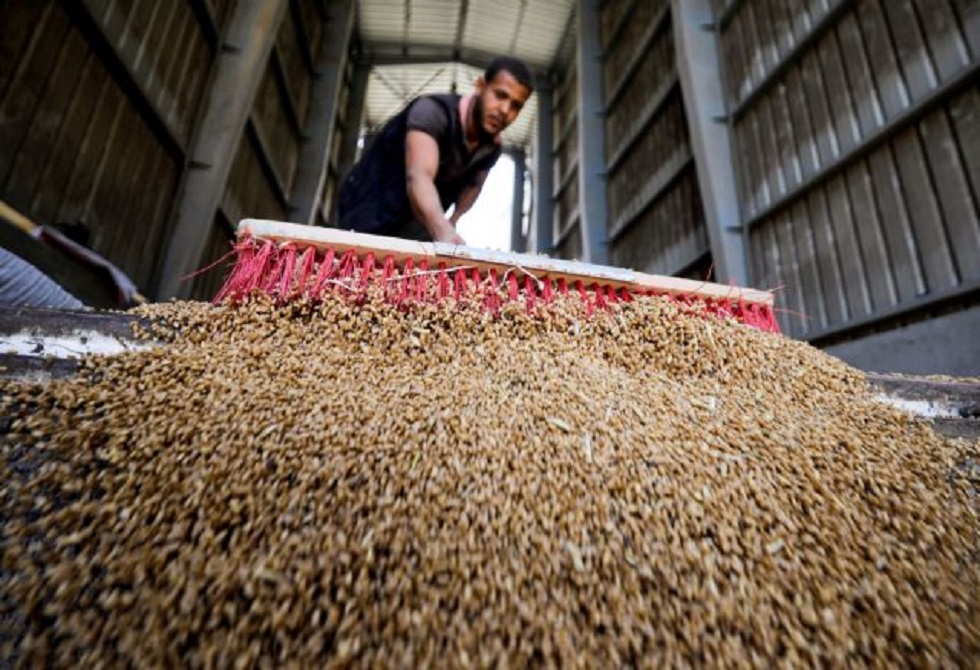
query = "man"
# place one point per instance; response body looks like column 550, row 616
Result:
column 434, row 154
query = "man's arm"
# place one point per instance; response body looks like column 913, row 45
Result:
column 469, row 195
column 421, row 165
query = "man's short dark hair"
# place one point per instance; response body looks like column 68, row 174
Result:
column 515, row 66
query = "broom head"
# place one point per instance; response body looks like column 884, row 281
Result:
column 291, row 262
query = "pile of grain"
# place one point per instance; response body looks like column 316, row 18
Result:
column 438, row 487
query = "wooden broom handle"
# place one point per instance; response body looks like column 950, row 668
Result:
column 484, row 259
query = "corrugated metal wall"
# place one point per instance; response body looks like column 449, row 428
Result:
column 567, row 233
column 856, row 127
column 656, row 220
column 99, row 103
column 855, row 139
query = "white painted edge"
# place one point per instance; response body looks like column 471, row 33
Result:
column 531, row 262
column 76, row 345
column 923, row 408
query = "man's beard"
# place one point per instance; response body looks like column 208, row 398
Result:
column 478, row 119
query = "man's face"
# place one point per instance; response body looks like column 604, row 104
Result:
column 498, row 102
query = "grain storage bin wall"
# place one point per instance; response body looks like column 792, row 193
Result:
column 119, row 118
column 855, row 138
column 98, row 101
column 656, row 219
column 288, row 150
column 331, row 180
column 287, row 83
column 567, row 232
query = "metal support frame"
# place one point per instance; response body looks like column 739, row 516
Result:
column 727, row 14
column 353, row 118
column 593, row 209
column 263, row 155
column 303, row 36
column 464, row 12
column 314, row 158
column 518, row 242
column 239, row 65
column 704, row 103
column 290, row 106
column 543, row 173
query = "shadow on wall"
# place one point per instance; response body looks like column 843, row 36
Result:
column 945, row 345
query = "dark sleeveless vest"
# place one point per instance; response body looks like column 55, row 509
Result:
column 373, row 197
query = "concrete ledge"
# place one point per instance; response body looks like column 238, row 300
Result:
column 41, row 344
column 952, row 404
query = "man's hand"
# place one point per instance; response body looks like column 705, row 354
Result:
column 447, row 233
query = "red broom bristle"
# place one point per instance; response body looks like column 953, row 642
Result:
column 305, row 271
column 285, row 274
column 328, row 266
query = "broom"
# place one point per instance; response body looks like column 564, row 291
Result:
column 290, row 261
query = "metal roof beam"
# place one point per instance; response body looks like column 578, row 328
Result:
column 237, row 71
column 542, row 182
column 314, row 158
column 395, row 53
column 593, row 208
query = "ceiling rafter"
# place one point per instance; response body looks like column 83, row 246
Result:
column 517, row 29
column 393, row 53
column 406, row 25
column 411, row 94
column 464, row 11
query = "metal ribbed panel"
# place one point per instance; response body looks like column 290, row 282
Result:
column 100, row 99
column 164, row 51
column 566, row 232
column 250, row 192
column 656, row 219
column 264, row 175
column 532, row 31
column 540, row 32
column 855, row 126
